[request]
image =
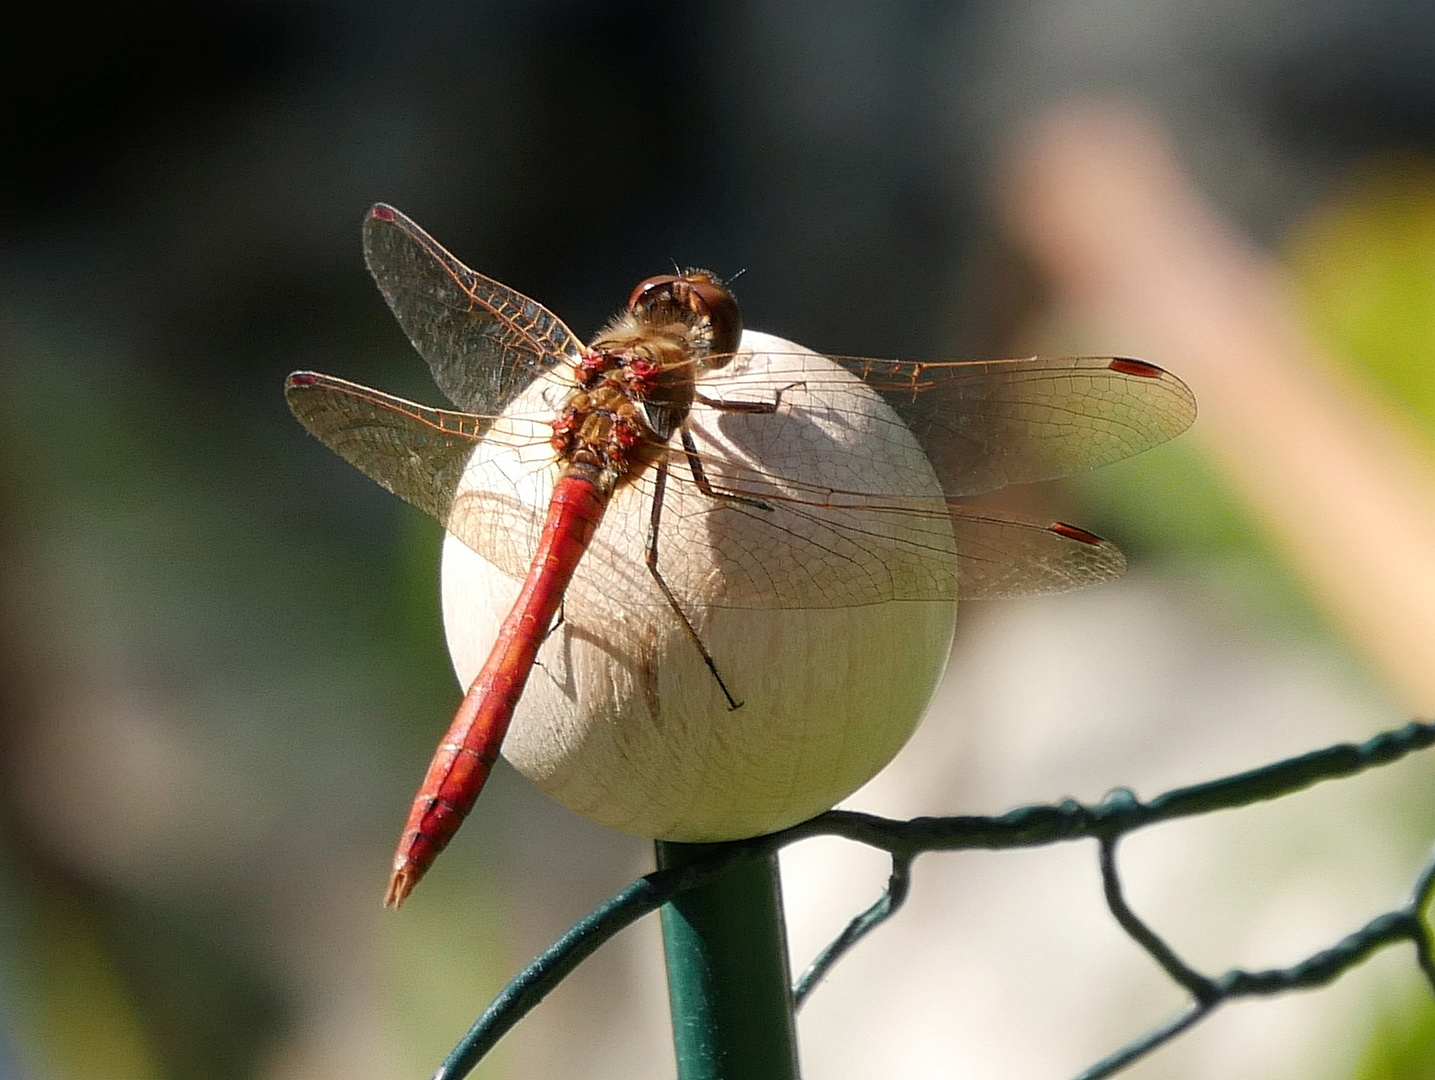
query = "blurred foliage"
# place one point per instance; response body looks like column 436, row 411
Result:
column 101, row 987
column 1364, row 264
column 288, row 667
column 434, row 998
column 1401, row 1044
column 1171, row 507
column 1364, row 268
column 75, row 1018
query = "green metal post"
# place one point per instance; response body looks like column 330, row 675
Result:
column 728, row 978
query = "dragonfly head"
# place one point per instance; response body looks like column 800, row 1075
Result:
column 697, row 298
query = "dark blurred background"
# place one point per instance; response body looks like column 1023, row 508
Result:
column 223, row 668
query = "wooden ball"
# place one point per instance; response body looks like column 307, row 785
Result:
column 829, row 616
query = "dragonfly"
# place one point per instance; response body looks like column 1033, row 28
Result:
column 618, row 416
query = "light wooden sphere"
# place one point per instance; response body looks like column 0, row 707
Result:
column 622, row 721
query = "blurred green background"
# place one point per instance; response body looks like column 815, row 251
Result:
column 222, row 667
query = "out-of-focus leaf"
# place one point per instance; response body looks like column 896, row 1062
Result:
column 1364, row 266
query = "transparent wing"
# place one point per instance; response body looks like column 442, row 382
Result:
column 836, row 505
column 483, row 341
column 988, row 423
column 842, row 550
column 1000, row 555
column 824, row 501
column 411, row 450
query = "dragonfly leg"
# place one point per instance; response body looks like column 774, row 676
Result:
column 558, row 620
column 695, row 464
column 757, row 407
column 660, row 482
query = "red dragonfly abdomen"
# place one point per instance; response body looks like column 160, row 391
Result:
column 462, row 762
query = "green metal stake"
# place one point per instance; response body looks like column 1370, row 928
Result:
column 728, row 978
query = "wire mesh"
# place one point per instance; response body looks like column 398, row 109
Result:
column 1106, row 822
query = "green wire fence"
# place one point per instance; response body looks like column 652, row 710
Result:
column 727, row 954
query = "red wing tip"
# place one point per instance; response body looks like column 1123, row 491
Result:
column 1071, row 532
column 383, row 211
column 1140, row 368
column 302, row 378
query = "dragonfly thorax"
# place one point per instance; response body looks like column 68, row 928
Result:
column 635, row 382
column 609, row 427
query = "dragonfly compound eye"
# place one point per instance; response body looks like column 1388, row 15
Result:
column 697, row 298
column 649, row 290
column 711, row 298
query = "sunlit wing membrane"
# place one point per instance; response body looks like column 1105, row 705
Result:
column 999, row 555
column 815, row 545
column 483, row 342
column 989, row 423
column 416, row 452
